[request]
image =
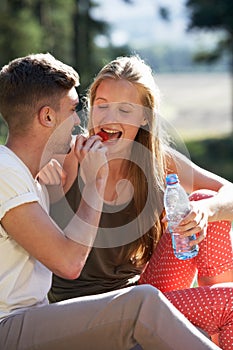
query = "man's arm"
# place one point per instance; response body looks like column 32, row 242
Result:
column 31, row 227
column 64, row 253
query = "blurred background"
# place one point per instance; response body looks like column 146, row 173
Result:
column 188, row 43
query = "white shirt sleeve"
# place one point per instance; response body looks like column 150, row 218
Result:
column 16, row 188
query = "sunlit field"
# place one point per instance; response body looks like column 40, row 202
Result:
column 197, row 105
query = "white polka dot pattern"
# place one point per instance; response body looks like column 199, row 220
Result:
column 209, row 308
column 215, row 256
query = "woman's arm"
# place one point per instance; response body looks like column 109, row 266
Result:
column 60, row 172
column 193, row 177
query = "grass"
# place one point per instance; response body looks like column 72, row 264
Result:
column 197, row 105
column 214, row 154
column 198, row 109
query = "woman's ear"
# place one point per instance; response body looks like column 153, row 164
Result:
column 46, row 117
column 144, row 122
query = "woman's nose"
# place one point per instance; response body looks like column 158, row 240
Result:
column 111, row 115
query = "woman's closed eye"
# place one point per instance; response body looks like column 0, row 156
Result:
column 124, row 110
column 103, row 105
column 127, row 108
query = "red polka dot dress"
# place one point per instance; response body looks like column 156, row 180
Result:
column 209, row 308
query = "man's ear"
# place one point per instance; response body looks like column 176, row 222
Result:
column 46, row 116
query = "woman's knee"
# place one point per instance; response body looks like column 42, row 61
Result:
column 201, row 194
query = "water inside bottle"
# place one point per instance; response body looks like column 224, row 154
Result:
column 181, row 247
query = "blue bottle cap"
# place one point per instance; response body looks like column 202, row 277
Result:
column 172, row 179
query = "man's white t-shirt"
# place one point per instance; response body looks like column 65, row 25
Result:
column 24, row 281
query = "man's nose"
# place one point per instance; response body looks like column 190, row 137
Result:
column 77, row 120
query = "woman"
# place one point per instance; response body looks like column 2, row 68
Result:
column 132, row 245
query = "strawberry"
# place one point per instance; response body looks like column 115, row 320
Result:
column 103, row 135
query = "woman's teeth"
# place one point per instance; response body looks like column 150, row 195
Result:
column 112, row 134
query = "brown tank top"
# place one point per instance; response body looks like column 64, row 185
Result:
column 106, row 268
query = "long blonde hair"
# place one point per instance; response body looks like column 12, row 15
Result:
column 147, row 189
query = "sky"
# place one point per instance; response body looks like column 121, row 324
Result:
column 140, row 23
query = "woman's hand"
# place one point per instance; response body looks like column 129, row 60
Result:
column 52, row 174
column 194, row 223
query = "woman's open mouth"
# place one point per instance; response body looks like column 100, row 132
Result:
column 111, row 134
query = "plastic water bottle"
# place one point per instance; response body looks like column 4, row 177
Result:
column 176, row 203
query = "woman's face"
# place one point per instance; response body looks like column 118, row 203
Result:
column 117, row 111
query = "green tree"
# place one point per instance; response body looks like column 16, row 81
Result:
column 66, row 29
column 214, row 15
column 56, row 26
column 86, row 28
column 89, row 58
column 28, row 26
column 20, row 32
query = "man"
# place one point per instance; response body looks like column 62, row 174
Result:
column 38, row 101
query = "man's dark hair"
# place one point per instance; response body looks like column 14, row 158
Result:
column 29, row 82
